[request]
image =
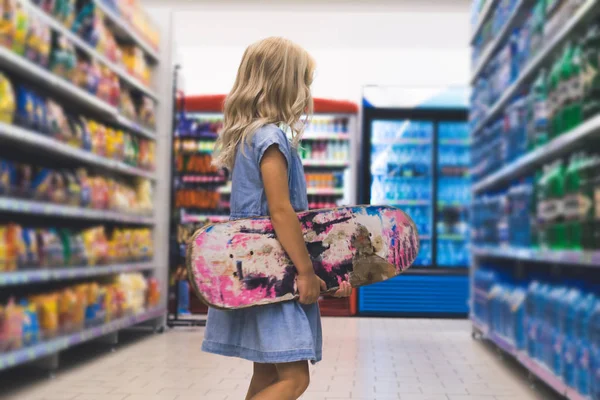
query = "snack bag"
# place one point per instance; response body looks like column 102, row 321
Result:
column 85, row 184
column 25, row 107
column 7, row 100
column 64, row 10
column 153, row 295
column 47, row 310
column 31, row 325
column 45, row 42
column 16, row 246
column 73, row 188
column 31, row 256
column 63, row 59
column 4, row 251
column 147, row 115
column 7, row 22
column 42, row 183
column 21, row 29
column 11, row 326
column 67, row 302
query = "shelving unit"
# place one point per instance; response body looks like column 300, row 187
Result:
column 509, row 268
column 27, row 144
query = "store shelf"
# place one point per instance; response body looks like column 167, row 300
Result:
column 326, row 136
column 584, row 11
column 91, row 52
column 407, row 202
column 455, row 142
column 194, row 218
column 325, row 191
column 124, row 29
column 453, row 238
column 484, row 15
column 403, row 141
column 53, row 346
column 535, row 367
column 191, row 178
column 36, row 74
column 572, row 257
column 20, row 206
column 560, row 146
column 39, row 141
column 499, row 39
column 325, row 163
column 27, row 277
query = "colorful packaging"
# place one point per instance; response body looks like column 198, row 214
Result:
column 11, row 326
column 7, row 100
column 7, row 22
column 21, row 29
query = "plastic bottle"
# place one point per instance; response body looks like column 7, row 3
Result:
column 554, row 100
column 589, row 207
column 538, row 127
column 576, row 87
column 571, row 203
column 582, row 348
column 569, row 355
column 591, row 68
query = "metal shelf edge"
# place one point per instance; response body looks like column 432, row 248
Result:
column 20, row 278
column 16, row 205
column 53, row 346
column 534, row 64
column 556, row 147
column 41, row 141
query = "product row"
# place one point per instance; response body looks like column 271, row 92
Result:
column 193, row 146
column 320, row 202
column 27, row 35
column 318, row 125
column 492, row 27
column 385, row 189
column 556, row 210
column 75, row 188
column 30, row 320
column 555, row 324
column 198, row 127
column 330, row 150
column 559, row 100
column 60, row 57
column 195, row 164
column 26, row 108
column 386, row 132
column 325, row 180
column 523, row 45
column 134, row 14
column 199, row 199
column 23, row 248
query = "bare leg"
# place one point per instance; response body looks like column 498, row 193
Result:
column 264, row 375
column 293, row 379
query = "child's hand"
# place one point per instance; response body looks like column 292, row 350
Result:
column 309, row 287
column 345, row 290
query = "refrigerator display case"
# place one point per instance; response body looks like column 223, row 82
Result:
column 415, row 156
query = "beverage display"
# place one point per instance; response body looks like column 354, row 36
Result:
column 401, row 171
column 555, row 324
column 325, row 150
column 318, row 126
column 453, row 194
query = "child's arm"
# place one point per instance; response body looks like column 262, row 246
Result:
column 273, row 168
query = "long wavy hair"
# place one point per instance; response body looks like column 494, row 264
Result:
column 272, row 87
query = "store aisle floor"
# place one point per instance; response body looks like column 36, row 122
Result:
column 364, row 359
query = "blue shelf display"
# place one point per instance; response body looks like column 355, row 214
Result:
column 454, row 194
column 401, row 171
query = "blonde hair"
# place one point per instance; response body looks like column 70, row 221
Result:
column 272, row 87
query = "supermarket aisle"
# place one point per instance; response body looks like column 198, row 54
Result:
column 364, row 359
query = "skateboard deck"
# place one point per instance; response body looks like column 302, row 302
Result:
column 239, row 264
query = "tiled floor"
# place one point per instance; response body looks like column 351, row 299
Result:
column 364, row 359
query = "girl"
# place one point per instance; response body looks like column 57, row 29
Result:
column 272, row 89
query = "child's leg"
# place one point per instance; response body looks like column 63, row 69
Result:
column 292, row 381
column 263, row 376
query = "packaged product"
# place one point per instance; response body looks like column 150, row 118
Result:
column 47, row 311
column 7, row 22
column 41, row 184
column 147, row 114
column 23, row 180
column 58, row 123
column 67, row 303
column 85, row 187
column 153, row 294
column 4, row 249
column 52, row 251
column 63, row 59
column 25, row 107
column 7, row 177
column 144, row 195
column 30, row 256
column 64, row 11
column 31, row 325
column 21, row 29
column 11, row 326
column 73, row 188
column 81, row 135
column 34, row 39
column 7, row 100
column 16, row 246
column 126, row 105
column 96, row 245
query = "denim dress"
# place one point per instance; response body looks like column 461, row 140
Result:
column 275, row 333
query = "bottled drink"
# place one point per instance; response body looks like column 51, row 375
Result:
column 554, row 98
column 591, row 66
column 537, row 134
column 589, row 197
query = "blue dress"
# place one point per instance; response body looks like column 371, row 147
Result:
column 276, row 333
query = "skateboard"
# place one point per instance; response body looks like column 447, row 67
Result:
column 240, row 263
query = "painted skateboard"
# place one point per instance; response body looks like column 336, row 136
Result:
column 239, row 264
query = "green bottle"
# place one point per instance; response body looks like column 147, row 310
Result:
column 589, row 196
column 576, row 87
column 564, row 96
column 542, row 224
column 556, row 192
column 538, row 115
column 572, row 202
column 554, row 99
column 591, row 67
